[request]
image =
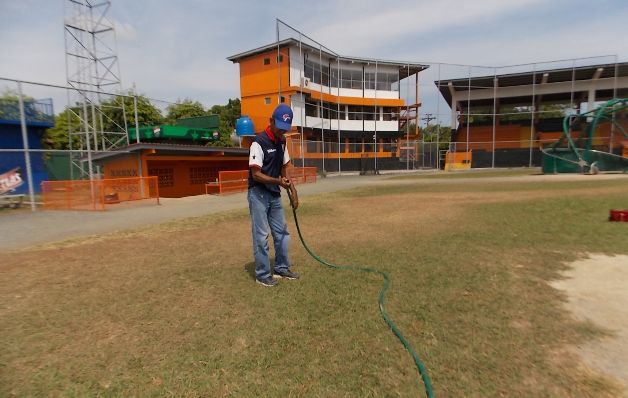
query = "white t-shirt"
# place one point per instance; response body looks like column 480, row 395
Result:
column 256, row 155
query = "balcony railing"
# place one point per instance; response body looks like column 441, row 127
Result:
column 35, row 111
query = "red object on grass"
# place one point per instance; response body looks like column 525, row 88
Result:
column 619, row 215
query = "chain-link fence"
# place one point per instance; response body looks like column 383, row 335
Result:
column 366, row 157
column 352, row 114
column 504, row 115
column 46, row 135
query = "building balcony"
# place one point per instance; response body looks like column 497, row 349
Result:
column 36, row 112
column 346, row 125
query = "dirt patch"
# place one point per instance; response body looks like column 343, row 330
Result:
column 596, row 291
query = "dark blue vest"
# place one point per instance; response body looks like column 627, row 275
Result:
column 273, row 162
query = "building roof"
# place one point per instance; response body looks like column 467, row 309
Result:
column 529, row 78
column 405, row 68
column 172, row 149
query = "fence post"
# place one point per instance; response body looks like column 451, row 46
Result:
column 27, row 155
column 137, row 139
column 102, row 194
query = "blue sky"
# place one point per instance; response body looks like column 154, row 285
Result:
column 177, row 49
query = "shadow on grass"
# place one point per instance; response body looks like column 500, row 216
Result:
column 250, row 269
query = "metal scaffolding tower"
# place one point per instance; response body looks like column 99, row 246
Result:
column 92, row 69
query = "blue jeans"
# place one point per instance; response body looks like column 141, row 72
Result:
column 267, row 217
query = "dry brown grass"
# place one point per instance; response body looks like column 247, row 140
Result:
column 170, row 310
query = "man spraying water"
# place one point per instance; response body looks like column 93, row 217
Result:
column 268, row 162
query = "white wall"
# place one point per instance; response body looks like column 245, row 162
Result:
column 298, row 109
column 381, row 94
column 349, row 125
column 296, row 66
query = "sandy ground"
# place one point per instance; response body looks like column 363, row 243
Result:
column 597, row 290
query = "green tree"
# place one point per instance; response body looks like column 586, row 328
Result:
column 183, row 109
column 547, row 111
column 57, row 137
column 10, row 107
column 432, row 132
column 228, row 115
column 113, row 115
column 524, row 112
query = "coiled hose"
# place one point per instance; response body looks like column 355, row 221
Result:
column 420, row 366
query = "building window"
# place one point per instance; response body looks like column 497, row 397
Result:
column 369, row 80
column 316, row 72
column 368, row 112
column 282, row 99
column 389, row 114
column 202, row 175
column 333, row 75
column 335, row 113
column 311, row 108
column 355, row 112
column 326, row 110
column 267, row 100
column 279, row 58
column 385, row 81
column 325, row 75
column 266, row 61
column 388, row 81
column 312, row 70
column 165, row 176
column 351, row 79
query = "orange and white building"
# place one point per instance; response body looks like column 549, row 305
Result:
column 345, row 108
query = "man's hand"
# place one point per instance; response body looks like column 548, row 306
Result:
column 295, row 197
column 284, row 182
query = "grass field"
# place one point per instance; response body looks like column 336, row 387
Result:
column 173, row 310
column 474, row 173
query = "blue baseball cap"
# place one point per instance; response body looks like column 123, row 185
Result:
column 283, row 117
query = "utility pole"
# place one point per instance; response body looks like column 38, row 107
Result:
column 428, row 118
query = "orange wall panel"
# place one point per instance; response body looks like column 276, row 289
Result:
column 481, row 137
column 524, row 136
column 257, row 78
column 356, row 100
column 124, row 166
column 256, row 108
column 547, row 137
column 258, row 82
column 515, row 136
column 178, row 178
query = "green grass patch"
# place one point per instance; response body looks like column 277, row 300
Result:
column 173, row 310
column 474, row 173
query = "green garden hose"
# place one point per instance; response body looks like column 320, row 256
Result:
column 421, row 368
